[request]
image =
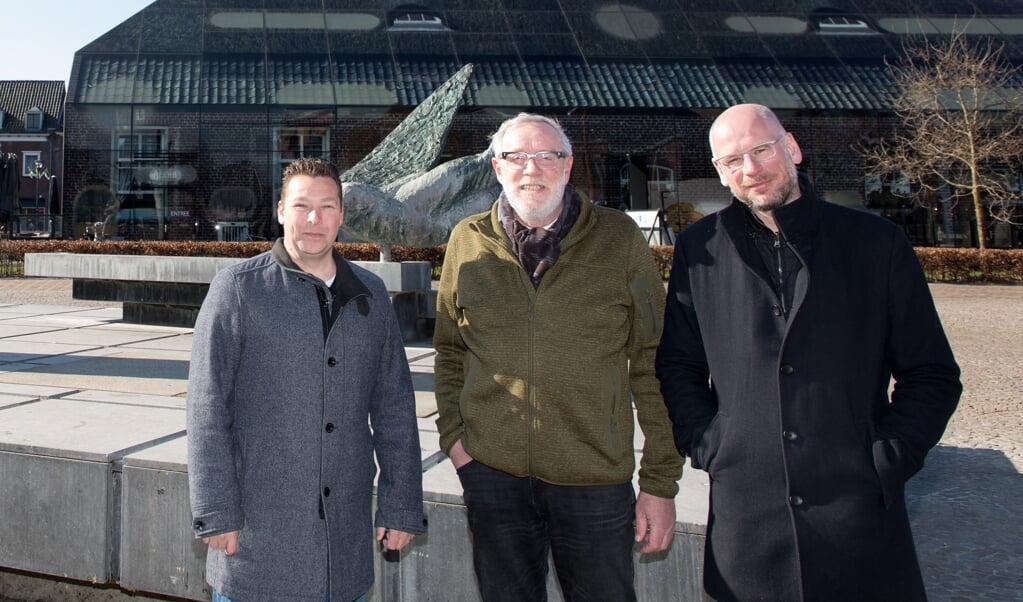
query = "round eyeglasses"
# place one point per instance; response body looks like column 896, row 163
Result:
column 543, row 159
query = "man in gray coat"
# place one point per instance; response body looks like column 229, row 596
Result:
column 298, row 378
column 787, row 317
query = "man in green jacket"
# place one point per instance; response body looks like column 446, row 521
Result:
column 548, row 317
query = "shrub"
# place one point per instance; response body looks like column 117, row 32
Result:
column 939, row 264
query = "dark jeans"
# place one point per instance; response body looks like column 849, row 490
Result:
column 516, row 520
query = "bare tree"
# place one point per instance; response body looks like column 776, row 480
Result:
column 960, row 104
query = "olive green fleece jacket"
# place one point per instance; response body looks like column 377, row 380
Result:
column 537, row 382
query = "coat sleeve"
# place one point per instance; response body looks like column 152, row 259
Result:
column 217, row 343
column 449, row 375
column 927, row 386
column 660, row 465
column 682, row 362
column 396, row 436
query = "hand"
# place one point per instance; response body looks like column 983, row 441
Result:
column 228, row 542
column 393, row 539
column 655, row 523
column 459, row 457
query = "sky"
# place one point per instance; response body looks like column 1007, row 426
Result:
column 59, row 28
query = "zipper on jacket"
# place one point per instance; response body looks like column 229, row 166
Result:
column 778, row 241
column 324, row 310
column 531, row 385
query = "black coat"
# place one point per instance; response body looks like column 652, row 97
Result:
column 807, row 454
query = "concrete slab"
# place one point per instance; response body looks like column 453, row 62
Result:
column 32, row 309
column 137, row 399
column 25, row 351
column 57, row 320
column 55, row 513
column 53, row 360
column 7, row 400
column 88, row 431
column 169, row 455
column 17, row 330
column 94, row 336
column 125, row 267
column 420, row 358
column 175, row 342
column 153, row 328
column 38, row 391
column 158, row 551
column 147, row 371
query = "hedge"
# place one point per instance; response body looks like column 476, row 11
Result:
column 940, row 264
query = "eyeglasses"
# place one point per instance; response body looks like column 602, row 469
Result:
column 759, row 153
column 543, row 159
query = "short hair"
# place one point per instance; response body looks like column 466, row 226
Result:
column 498, row 137
column 313, row 167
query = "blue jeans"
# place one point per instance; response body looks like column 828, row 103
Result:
column 217, row 597
column 515, row 521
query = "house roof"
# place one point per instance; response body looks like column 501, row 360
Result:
column 541, row 83
column 17, row 97
column 643, row 54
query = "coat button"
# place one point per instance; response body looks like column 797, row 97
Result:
column 329, row 428
column 331, row 361
column 787, row 369
column 326, row 492
column 776, row 310
column 795, row 500
column 198, row 525
column 789, row 435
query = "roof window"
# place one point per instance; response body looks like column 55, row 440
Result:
column 34, row 119
column 838, row 25
column 415, row 18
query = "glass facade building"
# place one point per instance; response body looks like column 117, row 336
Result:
column 179, row 121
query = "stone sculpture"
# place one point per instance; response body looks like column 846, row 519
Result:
column 398, row 195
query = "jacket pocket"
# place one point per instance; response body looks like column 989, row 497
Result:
column 612, row 403
column 706, row 447
column 887, row 463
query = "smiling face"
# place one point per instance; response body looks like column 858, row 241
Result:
column 310, row 211
column 535, row 194
column 764, row 184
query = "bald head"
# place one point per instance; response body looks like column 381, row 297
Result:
column 743, row 120
column 756, row 158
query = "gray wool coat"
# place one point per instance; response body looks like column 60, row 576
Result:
column 284, row 420
column 807, row 454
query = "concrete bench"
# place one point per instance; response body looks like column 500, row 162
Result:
column 168, row 291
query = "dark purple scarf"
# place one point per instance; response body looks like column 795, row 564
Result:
column 538, row 248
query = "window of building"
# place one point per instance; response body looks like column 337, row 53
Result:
column 138, row 154
column 295, row 143
column 34, row 120
column 28, row 162
column 838, row 25
column 415, row 18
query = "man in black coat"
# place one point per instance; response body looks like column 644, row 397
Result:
column 787, row 319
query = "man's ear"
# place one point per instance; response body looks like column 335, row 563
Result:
column 793, row 147
column 721, row 175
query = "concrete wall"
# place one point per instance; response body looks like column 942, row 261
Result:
column 96, row 490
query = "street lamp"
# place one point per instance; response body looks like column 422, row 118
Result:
column 36, row 175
